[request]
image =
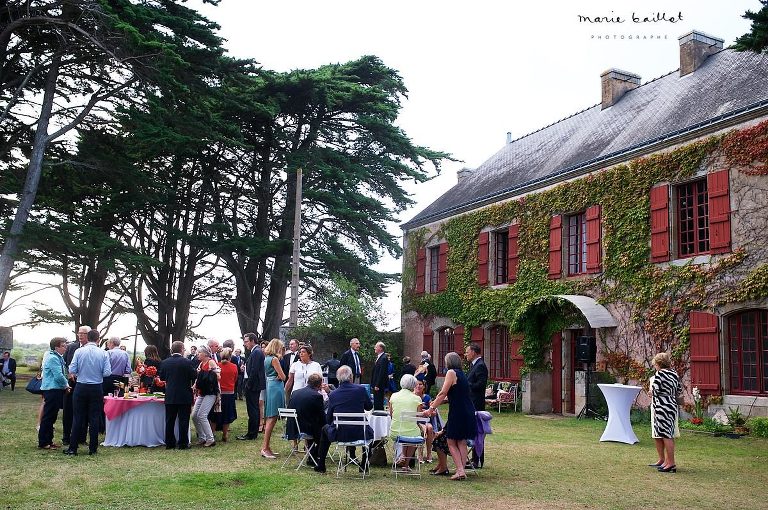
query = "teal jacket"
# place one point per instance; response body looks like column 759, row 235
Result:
column 53, row 372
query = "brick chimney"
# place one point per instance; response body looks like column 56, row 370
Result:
column 463, row 173
column 615, row 83
column 695, row 47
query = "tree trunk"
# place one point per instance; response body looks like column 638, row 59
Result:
column 34, row 171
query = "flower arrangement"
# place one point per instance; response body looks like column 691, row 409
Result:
column 698, row 411
column 159, row 383
column 149, row 371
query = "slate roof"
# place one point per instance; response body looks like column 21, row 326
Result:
column 727, row 84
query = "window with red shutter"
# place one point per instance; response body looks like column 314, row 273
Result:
column 445, row 344
column 692, row 218
column 442, row 267
column 482, row 258
column 594, row 239
column 705, row 352
column 719, row 212
column 748, row 349
column 434, row 268
column 501, row 252
column 421, row 270
column 555, row 247
column 577, row 244
column 660, row 223
column 500, row 354
column 428, row 340
column 458, row 339
column 512, row 252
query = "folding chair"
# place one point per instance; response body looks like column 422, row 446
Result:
column 403, row 441
column 470, row 466
column 290, row 414
column 345, row 460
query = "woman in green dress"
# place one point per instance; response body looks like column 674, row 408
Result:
column 275, row 398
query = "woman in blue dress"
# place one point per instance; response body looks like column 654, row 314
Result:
column 275, row 397
column 461, row 424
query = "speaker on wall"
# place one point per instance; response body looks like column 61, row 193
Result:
column 586, row 349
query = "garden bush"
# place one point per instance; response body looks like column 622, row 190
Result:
column 758, row 427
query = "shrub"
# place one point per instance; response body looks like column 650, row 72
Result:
column 758, row 427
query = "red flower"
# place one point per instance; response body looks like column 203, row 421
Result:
column 159, row 383
column 697, row 421
column 150, row 371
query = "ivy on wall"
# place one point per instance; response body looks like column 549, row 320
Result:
column 657, row 298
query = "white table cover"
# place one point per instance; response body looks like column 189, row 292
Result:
column 143, row 425
column 619, row 398
column 380, row 426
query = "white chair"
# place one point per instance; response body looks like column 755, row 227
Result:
column 407, row 417
column 287, row 415
column 345, row 460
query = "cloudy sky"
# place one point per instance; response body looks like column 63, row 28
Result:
column 474, row 70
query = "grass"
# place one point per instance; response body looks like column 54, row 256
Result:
column 531, row 463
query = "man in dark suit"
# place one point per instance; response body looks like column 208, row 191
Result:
column 477, row 380
column 333, row 365
column 68, row 409
column 290, row 356
column 351, row 358
column 380, row 376
column 255, row 380
column 308, row 403
column 8, row 367
column 347, row 398
column 179, row 374
column 431, row 374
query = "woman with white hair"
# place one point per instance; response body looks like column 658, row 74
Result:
column 404, row 401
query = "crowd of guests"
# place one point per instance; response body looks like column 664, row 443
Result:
column 203, row 385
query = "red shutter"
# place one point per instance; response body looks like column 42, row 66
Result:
column 442, row 267
column 719, row 212
column 482, row 258
column 458, row 340
column 515, row 342
column 594, row 238
column 660, row 223
column 705, row 352
column 477, row 337
column 556, row 247
column 512, row 253
column 427, row 344
column 421, row 270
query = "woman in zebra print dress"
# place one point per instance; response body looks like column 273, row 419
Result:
column 665, row 388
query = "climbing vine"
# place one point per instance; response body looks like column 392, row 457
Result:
column 656, row 298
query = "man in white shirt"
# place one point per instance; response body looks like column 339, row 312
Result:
column 290, row 356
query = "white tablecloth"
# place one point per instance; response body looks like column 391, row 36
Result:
column 380, row 426
column 143, row 425
column 619, row 399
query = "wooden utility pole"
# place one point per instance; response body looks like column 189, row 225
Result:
column 293, row 321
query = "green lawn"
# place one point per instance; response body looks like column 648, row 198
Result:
column 531, row 463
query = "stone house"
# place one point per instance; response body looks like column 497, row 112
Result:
column 640, row 221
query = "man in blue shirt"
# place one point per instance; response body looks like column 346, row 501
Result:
column 120, row 363
column 90, row 365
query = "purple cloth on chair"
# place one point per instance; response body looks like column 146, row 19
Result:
column 483, row 419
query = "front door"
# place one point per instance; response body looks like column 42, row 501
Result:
column 557, row 373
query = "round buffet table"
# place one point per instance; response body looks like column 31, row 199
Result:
column 135, row 422
column 619, row 398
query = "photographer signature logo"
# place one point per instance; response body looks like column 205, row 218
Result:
column 632, row 24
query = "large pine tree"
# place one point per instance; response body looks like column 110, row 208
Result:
column 757, row 38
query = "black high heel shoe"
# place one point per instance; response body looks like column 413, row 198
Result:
column 670, row 469
column 657, row 465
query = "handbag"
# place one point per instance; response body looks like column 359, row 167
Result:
column 34, row 384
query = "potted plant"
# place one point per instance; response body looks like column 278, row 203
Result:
column 737, row 421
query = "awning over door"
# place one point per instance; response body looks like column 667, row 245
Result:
column 596, row 314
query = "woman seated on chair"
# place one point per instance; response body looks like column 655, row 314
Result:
column 405, row 401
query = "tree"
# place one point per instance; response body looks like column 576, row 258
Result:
column 66, row 63
column 337, row 124
column 757, row 38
